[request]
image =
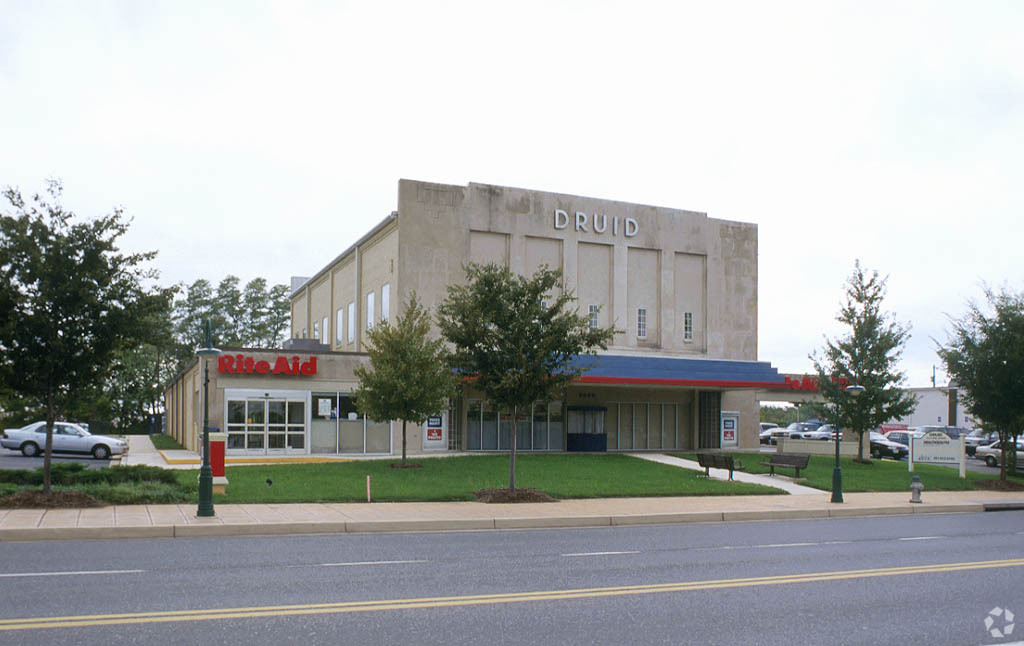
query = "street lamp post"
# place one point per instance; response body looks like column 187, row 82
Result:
column 837, row 472
column 206, row 471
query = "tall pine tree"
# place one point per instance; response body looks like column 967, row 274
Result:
column 867, row 355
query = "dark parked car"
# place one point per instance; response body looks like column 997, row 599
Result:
column 885, row 448
column 900, row 437
column 766, row 432
column 977, row 438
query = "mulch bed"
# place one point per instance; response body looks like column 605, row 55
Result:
column 35, row 499
column 407, row 465
column 998, row 485
column 519, row 495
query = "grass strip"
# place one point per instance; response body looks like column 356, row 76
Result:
column 164, row 442
column 880, row 475
column 456, row 478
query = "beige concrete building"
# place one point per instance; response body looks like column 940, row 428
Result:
column 679, row 287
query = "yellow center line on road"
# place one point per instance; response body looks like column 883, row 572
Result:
column 481, row 599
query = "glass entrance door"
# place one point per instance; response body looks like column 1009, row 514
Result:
column 267, row 426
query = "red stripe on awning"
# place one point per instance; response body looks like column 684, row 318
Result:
column 641, row 381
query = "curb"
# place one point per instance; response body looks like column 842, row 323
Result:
column 213, row 528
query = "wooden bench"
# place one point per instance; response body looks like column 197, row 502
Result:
column 794, row 461
column 717, row 461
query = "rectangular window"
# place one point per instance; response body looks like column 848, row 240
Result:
column 641, row 323
column 316, row 331
column 351, row 322
column 338, row 325
column 369, row 311
column 594, row 309
column 385, row 302
column 688, row 326
column 326, row 335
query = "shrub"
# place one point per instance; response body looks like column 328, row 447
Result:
column 137, row 493
column 117, row 475
column 20, row 477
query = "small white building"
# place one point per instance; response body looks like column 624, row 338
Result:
column 939, row 406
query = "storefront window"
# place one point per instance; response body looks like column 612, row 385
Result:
column 524, row 437
column 555, row 431
column 540, row 426
column 473, row 425
column 490, row 427
column 323, row 437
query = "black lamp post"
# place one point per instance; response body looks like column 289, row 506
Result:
column 206, row 471
column 837, row 472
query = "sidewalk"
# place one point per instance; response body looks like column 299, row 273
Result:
column 168, row 521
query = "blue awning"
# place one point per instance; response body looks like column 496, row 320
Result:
column 671, row 371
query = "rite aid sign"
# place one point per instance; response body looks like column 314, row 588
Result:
column 240, row 364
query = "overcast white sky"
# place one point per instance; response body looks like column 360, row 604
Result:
column 262, row 139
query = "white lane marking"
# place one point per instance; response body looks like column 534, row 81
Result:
column 920, row 538
column 751, row 547
column 78, row 573
column 599, row 553
column 370, row 563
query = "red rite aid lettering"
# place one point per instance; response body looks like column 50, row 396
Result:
column 238, row 364
column 811, row 383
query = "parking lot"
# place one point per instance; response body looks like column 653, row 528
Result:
column 15, row 460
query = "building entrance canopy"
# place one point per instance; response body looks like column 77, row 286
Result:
column 671, row 371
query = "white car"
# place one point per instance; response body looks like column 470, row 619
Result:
column 67, row 438
column 993, row 453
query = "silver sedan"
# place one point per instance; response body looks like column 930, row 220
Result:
column 67, row 438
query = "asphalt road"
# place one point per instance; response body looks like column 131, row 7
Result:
column 841, row 581
column 15, row 460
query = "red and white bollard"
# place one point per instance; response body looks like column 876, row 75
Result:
column 218, row 442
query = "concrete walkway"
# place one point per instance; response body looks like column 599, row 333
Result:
column 168, row 521
column 778, row 481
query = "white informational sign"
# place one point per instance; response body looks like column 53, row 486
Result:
column 435, row 434
column 730, row 429
column 324, row 407
column 935, row 447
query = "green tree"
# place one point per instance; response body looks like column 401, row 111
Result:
column 867, row 355
column 409, row 377
column 249, row 317
column 136, row 386
column 516, row 337
column 70, row 301
column 985, row 355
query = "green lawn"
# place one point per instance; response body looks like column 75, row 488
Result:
column 455, row 478
column 880, row 475
column 164, row 442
